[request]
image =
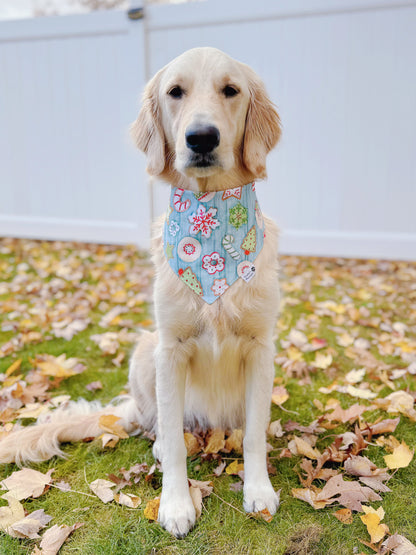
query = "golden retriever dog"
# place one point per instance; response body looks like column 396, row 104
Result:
column 206, row 125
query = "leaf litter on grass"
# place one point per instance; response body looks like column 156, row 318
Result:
column 347, row 334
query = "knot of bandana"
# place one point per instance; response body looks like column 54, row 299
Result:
column 212, row 239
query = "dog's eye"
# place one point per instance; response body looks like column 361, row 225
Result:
column 176, row 92
column 230, row 91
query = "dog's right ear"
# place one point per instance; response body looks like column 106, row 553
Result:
column 147, row 131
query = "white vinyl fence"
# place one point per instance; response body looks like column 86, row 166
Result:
column 342, row 73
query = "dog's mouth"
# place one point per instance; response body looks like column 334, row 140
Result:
column 199, row 160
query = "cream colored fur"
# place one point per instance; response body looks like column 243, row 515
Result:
column 207, row 365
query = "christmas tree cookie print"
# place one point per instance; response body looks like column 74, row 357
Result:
column 249, row 244
column 188, row 277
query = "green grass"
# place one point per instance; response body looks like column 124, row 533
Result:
column 296, row 528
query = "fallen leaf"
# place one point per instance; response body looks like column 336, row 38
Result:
column 108, row 423
column 398, row 545
column 151, row 510
column 344, row 516
column 54, row 537
column 102, row 489
column 26, row 483
column 191, row 443
column 279, row 395
column 235, row 441
column 372, row 520
column 127, row 499
column 304, row 448
column 216, row 441
column 234, row 468
column 322, row 361
column 29, row 526
column 275, row 429
column 400, row 458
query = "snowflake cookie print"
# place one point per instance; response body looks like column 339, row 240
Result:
column 238, row 215
column 219, row 287
column 213, row 263
column 203, row 221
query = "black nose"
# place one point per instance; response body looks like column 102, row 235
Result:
column 202, row 139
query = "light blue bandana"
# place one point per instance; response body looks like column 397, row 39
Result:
column 212, row 239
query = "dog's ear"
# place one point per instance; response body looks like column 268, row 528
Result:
column 262, row 130
column 147, row 131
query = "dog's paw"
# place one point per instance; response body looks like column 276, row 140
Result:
column 176, row 514
column 259, row 497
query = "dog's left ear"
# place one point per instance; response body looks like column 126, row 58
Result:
column 262, row 130
column 147, row 131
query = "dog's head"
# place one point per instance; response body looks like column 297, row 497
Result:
column 205, row 114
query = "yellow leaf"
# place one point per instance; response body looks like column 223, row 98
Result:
column 400, row 458
column 322, row 361
column 235, row 441
column 372, row 519
column 107, row 422
column 279, row 395
column 191, row 444
column 152, row 509
column 304, row 448
column 216, row 441
column 293, row 353
column 234, row 468
column 13, row 367
column 49, row 368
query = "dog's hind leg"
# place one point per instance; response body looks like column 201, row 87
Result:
column 142, row 378
column 258, row 491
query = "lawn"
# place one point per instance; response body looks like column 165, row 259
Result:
column 346, row 337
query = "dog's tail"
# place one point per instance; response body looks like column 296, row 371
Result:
column 72, row 422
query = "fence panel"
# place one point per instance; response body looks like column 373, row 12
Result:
column 69, row 90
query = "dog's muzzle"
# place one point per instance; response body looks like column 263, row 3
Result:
column 202, row 141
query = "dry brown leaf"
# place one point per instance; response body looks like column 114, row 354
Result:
column 347, row 493
column 263, row 515
column 14, row 512
column 344, row 516
column 26, row 483
column 196, row 497
column 127, row 499
column 397, row 545
column 54, row 537
column 205, row 487
column 275, row 429
column 310, row 496
column 347, row 415
column 102, row 489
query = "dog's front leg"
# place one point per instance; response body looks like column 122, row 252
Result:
column 176, row 512
column 258, row 491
